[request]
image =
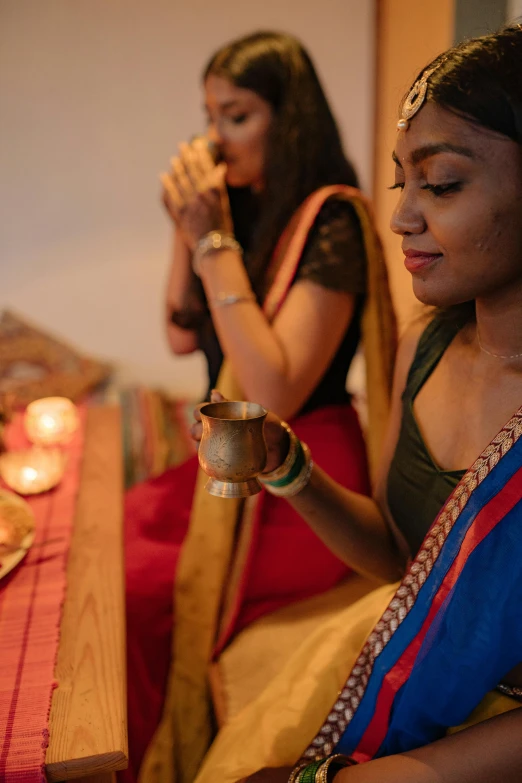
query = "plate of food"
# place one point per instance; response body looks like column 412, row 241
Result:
column 16, row 530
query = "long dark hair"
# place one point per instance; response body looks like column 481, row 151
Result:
column 481, row 81
column 304, row 148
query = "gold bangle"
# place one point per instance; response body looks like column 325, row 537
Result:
column 294, row 775
column 300, row 482
column 283, row 469
column 321, row 776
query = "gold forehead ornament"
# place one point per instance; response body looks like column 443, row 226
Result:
column 415, row 98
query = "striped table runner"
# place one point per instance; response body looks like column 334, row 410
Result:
column 31, row 599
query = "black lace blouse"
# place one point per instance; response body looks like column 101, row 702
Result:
column 333, row 257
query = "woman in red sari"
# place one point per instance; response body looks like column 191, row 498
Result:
column 275, row 260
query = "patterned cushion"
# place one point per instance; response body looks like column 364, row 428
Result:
column 34, row 364
column 155, row 432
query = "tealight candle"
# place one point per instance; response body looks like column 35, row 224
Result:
column 51, row 420
column 29, row 474
column 33, row 471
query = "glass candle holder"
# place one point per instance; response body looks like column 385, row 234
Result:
column 33, row 471
column 51, row 421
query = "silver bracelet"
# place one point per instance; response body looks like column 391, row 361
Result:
column 211, row 243
column 232, row 297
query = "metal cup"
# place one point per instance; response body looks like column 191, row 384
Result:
column 211, row 146
column 232, row 451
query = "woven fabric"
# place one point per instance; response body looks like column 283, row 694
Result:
column 155, row 432
column 31, row 600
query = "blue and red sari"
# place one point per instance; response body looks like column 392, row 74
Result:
column 452, row 630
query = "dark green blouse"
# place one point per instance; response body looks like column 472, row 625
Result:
column 417, row 487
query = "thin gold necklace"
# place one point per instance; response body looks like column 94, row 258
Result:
column 495, row 355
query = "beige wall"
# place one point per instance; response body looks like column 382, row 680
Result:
column 94, row 95
column 410, row 34
column 514, row 9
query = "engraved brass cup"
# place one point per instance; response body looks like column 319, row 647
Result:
column 232, row 451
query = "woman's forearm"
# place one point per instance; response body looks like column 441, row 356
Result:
column 180, row 299
column 243, row 330
column 351, row 525
column 488, row 752
column 276, row 364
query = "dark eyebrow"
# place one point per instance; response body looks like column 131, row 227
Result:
column 428, row 151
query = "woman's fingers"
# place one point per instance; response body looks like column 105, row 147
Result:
column 274, row 432
column 218, row 188
column 197, row 411
column 192, row 167
column 197, row 428
column 277, row 442
column 205, row 160
column 205, row 176
column 216, row 179
column 182, row 180
column 196, row 431
column 171, row 195
column 216, row 396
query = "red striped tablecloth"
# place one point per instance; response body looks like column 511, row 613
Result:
column 31, row 600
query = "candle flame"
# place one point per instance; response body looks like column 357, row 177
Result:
column 48, row 422
column 29, row 474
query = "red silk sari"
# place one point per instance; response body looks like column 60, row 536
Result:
column 275, row 558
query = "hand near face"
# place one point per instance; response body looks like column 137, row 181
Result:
column 276, row 437
column 194, row 193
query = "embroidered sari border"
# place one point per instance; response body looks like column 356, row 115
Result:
column 486, row 521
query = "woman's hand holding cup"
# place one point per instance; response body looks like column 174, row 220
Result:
column 276, row 436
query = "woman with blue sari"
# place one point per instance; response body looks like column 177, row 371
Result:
column 420, row 680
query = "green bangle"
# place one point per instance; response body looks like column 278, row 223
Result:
column 301, row 480
column 294, row 470
column 307, row 775
column 331, row 766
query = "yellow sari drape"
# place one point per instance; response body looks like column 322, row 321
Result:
column 207, row 558
column 274, row 729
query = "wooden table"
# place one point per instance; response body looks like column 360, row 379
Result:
column 88, row 720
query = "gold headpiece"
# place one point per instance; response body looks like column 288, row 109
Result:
column 415, row 98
